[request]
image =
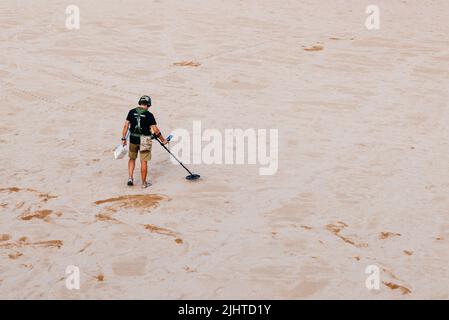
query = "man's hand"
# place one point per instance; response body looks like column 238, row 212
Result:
column 157, row 134
column 124, row 142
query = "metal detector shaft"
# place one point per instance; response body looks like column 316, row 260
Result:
column 173, row 156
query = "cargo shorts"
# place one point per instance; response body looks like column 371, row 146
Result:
column 134, row 149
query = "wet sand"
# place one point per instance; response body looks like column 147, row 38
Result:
column 363, row 150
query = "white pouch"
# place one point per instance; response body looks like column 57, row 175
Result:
column 120, row 151
column 145, row 143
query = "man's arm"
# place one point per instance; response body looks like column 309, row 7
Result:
column 124, row 132
column 157, row 133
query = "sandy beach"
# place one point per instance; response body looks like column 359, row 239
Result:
column 362, row 179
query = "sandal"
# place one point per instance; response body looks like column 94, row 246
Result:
column 146, row 185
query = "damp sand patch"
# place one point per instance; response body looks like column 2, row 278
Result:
column 142, row 201
column 4, row 237
column 43, row 196
column 40, row 214
column 105, row 217
column 24, row 242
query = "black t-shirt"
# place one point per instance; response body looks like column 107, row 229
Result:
column 140, row 120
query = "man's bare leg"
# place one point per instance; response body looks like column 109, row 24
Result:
column 131, row 166
column 144, row 170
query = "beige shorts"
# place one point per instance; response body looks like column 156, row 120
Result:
column 134, row 149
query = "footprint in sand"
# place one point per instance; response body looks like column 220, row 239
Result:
column 187, row 64
column 189, row 270
column 386, row 235
column 44, row 197
column 314, row 48
column 394, row 286
column 24, row 242
column 163, row 231
column 40, row 214
column 48, row 244
column 337, row 227
column 28, row 208
column 14, row 256
column 106, row 217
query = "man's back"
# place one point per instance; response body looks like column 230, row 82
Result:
column 140, row 121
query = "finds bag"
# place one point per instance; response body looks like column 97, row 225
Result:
column 120, row 151
column 145, row 143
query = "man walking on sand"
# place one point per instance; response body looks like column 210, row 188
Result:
column 142, row 126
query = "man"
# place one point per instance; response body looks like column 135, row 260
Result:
column 142, row 125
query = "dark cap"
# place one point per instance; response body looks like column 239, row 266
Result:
column 145, row 100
